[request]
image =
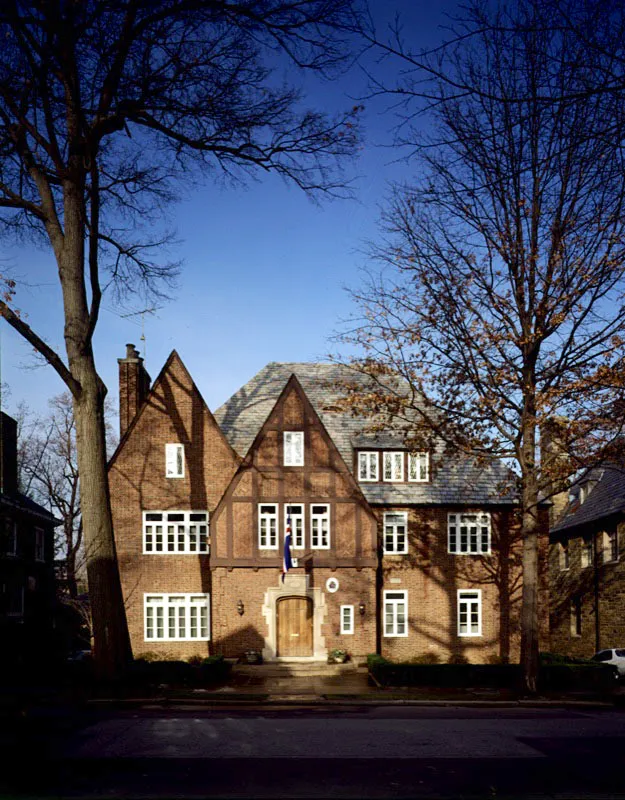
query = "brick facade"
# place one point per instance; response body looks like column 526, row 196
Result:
column 243, row 578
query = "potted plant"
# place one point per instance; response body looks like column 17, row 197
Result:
column 337, row 656
column 253, row 657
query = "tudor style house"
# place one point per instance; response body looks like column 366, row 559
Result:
column 586, row 571
column 403, row 553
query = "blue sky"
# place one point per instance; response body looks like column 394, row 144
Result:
column 264, row 268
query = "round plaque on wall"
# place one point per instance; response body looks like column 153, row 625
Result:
column 332, row 585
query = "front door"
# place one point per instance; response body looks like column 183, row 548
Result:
column 295, row 627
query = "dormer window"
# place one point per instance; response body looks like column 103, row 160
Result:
column 418, row 467
column 368, row 466
column 394, row 466
column 174, row 460
column 293, row 449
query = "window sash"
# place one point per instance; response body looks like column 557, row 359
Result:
column 174, row 460
column 368, row 466
column 395, row 539
column 610, row 546
column 564, row 555
column 468, row 534
column 40, row 552
column 395, row 613
column 293, row 448
column 176, row 617
column 170, row 532
column 297, row 525
column 320, row 527
column 268, row 526
column 10, row 533
column 587, row 554
column 394, row 465
column 347, row 619
column 418, row 467
column 470, row 612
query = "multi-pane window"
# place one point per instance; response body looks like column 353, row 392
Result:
column 368, row 466
column 347, row 619
column 268, row 527
column 468, row 534
column 176, row 617
column 175, row 532
column 395, row 533
column 320, row 527
column 296, row 515
column 470, row 613
column 418, row 467
column 576, row 616
column 293, row 449
column 394, row 465
column 587, row 554
column 396, row 613
column 174, row 460
column 564, row 555
column 40, row 554
column 610, row 545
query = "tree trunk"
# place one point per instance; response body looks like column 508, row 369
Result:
column 529, row 610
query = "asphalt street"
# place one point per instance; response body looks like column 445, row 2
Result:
column 321, row 752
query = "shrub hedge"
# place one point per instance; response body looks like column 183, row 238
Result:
column 554, row 675
column 209, row 671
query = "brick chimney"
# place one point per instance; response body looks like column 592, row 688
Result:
column 8, row 454
column 134, row 385
column 553, row 453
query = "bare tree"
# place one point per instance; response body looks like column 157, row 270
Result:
column 500, row 295
column 103, row 107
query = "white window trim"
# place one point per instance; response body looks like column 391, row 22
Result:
column 205, row 602
column 171, row 457
column 462, row 592
column 40, row 545
column 268, row 516
column 289, row 450
column 419, row 479
column 395, row 602
column 349, row 628
column 606, row 547
column 587, row 555
column 367, row 454
column 11, row 538
column 186, row 523
column 405, row 524
column 302, row 516
column 392, row 453
column 563, row 552
column 457, row 523
column 313, row 517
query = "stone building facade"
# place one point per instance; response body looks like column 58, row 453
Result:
column 406, row 554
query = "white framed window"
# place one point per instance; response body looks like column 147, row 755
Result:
column 347, row 619
column 10, row 536
column 368, row 466
column 419, row 467
column 395, row 613
column 564, row 555
column 293, row 449
column 470, row 612
column 320, row 527
column 296, row 512
column 177, row 617
column 394, row 465
column 587, row 554
column 268, row 526
column 610, row 546
column 468, row 534
column 396, row 532
column 174, row 460
column 40, row 545
column 175, row 532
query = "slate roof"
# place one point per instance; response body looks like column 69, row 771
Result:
column 21, row 502
column 462, row 482
column 606, row 498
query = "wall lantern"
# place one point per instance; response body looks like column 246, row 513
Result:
column 362, row 609
column 240, row 608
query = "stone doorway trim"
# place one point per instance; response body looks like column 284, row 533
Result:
column 294, row 586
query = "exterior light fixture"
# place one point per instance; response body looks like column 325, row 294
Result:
column 240, row 608
column 361, row 608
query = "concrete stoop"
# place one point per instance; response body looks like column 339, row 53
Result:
column 299, row 669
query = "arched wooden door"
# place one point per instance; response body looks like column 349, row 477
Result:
column 295, row 626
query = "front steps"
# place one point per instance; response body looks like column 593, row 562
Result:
column 298, row 669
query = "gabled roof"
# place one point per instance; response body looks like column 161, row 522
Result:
column 606, row 498
column 456, row 481
column 23, row 503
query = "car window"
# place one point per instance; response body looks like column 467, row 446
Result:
column 603, row 655
column 620, row 653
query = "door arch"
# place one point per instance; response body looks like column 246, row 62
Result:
column 295, row 627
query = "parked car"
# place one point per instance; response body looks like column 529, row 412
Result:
column 614, row 656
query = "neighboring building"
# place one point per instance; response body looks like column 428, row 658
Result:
column 403, row 553
column 27, row 596
column 587, row 574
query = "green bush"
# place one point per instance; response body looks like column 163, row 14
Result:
column 198, row 672
column 579, row 676
column 425, row 658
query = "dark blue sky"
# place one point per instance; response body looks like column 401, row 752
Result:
column 264, row 268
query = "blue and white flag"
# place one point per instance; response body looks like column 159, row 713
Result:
column 286, row 560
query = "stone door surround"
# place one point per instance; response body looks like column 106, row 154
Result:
column 294, row 586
